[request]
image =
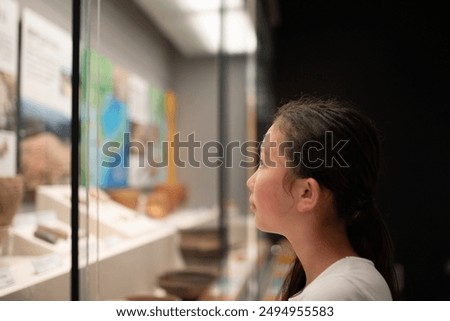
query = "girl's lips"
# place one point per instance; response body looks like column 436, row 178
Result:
column 252, row 205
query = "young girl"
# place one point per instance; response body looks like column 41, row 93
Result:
column 315, row 186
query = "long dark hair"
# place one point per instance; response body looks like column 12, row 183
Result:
column 352, row 177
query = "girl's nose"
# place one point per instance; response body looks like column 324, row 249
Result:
column 251, row 182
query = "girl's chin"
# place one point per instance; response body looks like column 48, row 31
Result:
column 263, row 227
column 260, row 226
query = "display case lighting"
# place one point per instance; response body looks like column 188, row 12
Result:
column 202, row 6
column 193, row 26
column 238, row 35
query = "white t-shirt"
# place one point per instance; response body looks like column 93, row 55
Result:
column 349, row 279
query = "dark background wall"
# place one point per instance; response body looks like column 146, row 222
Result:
column 392, row 60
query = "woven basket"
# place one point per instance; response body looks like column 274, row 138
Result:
column 126, row 196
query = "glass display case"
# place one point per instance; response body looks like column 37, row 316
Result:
column 127, row 136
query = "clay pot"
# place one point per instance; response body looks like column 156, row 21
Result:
column 151, row 297
column 11, row 193
column 186, row 284
column 5, row 241
column 201, row 248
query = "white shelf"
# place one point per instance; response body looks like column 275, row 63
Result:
column 123, row 236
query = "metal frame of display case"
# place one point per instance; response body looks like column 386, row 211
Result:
column 76, row 30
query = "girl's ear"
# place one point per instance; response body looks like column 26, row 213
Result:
column 307, row 194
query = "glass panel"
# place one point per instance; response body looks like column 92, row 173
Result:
column 35, row 145
column 166, row 114
column 154, row 94
column 135, row 197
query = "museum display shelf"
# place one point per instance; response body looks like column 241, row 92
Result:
column 38, row 269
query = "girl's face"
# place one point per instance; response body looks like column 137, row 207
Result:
column 270, row 198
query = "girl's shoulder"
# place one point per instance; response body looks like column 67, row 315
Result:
column 350, row 278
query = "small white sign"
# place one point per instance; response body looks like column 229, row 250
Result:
column 138, row 100
column 46, row 263
column 6, row 278
column 9, row 36
column 46, row 60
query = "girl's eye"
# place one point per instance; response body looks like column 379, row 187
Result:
column 261, row 163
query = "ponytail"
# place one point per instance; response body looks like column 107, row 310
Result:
column 370, row 238
column 294, row 282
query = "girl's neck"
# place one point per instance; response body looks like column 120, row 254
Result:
column 317, row 251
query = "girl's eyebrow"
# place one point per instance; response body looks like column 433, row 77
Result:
column 267, row 143
column 265, row 149
column 266, row 152
column 261, row 143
